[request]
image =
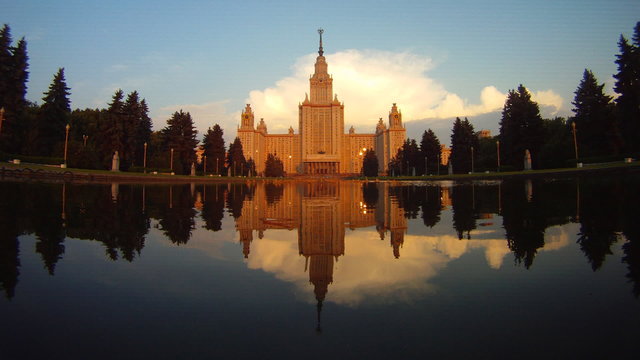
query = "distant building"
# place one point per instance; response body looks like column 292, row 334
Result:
column 484, row 134
column 445, row 152
column 321, row 146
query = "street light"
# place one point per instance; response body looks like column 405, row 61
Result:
column 217, row 168
column 84, row 140
column 290, row 165
column 498, row 150
column 472, row 159
column 575, row 143
column 66, row 141
column 425, row 166
column 205, row 165
column 171, row 162
column 144, row 161
column 1, row 118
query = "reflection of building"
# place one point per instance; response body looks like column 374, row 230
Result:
column 321, row 212
column 321, row 146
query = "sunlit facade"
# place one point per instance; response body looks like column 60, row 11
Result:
column 321, row 146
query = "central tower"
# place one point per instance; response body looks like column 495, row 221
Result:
column 321, row 122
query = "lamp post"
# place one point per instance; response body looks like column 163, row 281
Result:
column 144, row 161
column 472, row 159
column 66, row 142
column 84, row 140
column 217, row 168
column 205, row 166
column 439, row 164
column 1, row 118
column 171, row 161
column 575, row 142
column 498, row 150
column 290, row 165
column 425, row 166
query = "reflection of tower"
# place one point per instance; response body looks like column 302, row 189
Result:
column 321, row 235
column 390, row 216
column 246, row 236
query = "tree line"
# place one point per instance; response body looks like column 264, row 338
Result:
column 604, row 128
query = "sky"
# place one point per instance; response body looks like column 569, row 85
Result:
column 435, row 59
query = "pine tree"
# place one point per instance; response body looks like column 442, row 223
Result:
column 628, row 86
column 109, row 128
column 596, row 130
column 6, row 63
column 273, row 166
column 463, row 138
column 13, row 88
column 411, row 158
column 235, row 158
column 370, row 164
column 180, row 135
column 430, row 149
column 214, row 148
column 520, row 129
column 54, row 115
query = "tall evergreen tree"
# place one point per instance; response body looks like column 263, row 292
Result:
column 273, row 166
column 430, row 149
column 13, row 88
column 520, row 129
column 463, row 138
column 214, row 148
column 411, row 158
column 180, row 135
column 5, row 63
column 628, row 87
column 370, row 164
column 54, row 115
column 597, row 132
column 235, row 158
column 110, row 132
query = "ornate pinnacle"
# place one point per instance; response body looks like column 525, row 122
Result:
column 320, row 51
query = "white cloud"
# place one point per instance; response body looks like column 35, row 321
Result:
column 368, row 82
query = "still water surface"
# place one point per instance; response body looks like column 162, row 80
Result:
column 513, row 269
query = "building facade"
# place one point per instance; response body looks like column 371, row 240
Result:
column 321, row 146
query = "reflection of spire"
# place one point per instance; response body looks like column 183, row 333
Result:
column 319, row 311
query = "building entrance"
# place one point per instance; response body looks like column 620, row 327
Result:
column 321, row 168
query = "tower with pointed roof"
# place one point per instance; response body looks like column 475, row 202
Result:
column 321, row 146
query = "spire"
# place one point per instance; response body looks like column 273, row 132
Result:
column 320, row 51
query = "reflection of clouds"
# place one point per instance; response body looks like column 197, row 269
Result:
column 368, row 271
column 557, row 237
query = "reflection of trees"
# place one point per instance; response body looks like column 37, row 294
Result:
column 46, row 209
column 409, row 199
column 9, row 245
column 631, row 231
column 112, row 215
column 273, row 192
column 599, row 219
column 177, row 215
column 235, row 197
column 431, row 205
column 213, row 206
column 462, row 198
column 523, row 221
column 370, row 194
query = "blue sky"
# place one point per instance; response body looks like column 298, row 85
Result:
column 436, row 59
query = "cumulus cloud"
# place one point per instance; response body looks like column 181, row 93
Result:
column 369, row 81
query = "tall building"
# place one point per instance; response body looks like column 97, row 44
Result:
column 321, row 146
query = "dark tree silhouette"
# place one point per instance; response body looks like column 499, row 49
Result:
column 628, row 87
column 430, row 149
column 520, row 129
column 463, row 204
column 463, row 138
column 214, row 148
column 370, row 164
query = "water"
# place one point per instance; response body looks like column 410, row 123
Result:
column 526, row 269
